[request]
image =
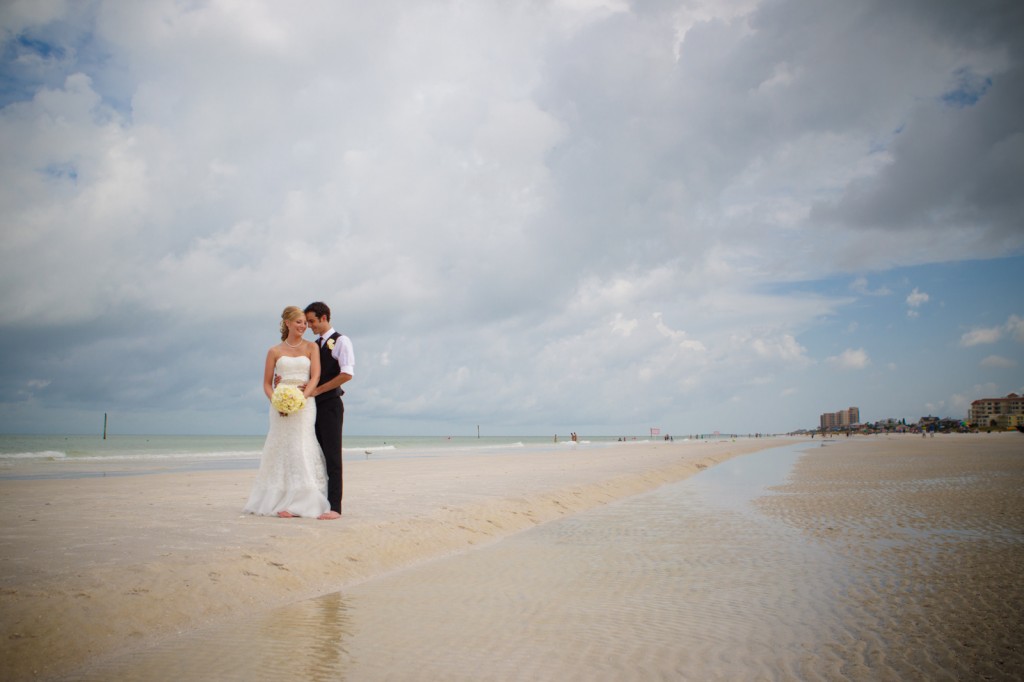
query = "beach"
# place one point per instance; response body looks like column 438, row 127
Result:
column 875, row 558
column 93, row 567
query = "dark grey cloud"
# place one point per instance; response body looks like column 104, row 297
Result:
column 956, row 164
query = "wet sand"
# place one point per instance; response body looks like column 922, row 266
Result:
column 930, row 535
column 96, row 568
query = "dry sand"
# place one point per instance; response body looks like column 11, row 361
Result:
column 95, row 567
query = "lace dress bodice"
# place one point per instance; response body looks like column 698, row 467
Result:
column 293, row 371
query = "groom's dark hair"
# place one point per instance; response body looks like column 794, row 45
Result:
column 319, row 309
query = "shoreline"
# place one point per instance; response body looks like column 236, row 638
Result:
column 158, row 456
column 123, row 561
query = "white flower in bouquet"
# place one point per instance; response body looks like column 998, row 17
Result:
column 287, row 399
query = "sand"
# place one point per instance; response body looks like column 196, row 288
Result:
column 92, row 568
column 881, row 558
column 930, row 534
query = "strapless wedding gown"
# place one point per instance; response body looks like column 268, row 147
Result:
column 292, row 476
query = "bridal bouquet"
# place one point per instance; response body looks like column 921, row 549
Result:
column 287, row 399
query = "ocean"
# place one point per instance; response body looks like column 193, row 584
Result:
column 59, row 455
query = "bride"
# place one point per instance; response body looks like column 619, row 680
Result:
column 292, row 480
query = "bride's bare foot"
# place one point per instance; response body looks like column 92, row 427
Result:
column 285, row 514
column 329, row 516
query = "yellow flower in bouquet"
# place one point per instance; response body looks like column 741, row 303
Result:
column 287, row 399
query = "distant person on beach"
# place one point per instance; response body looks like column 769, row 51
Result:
column 292, row 480
column 337, row 363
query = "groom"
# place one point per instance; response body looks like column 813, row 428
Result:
column 337, row 361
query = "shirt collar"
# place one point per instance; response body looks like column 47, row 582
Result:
column 327, row 334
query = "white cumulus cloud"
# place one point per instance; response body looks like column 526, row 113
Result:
column 977, row 337
column 851, row 358
column 915, row 300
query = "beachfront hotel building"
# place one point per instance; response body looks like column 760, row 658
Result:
column 840, row 419
column 1003, row 413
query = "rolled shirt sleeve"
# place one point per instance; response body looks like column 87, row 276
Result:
column 345, row 355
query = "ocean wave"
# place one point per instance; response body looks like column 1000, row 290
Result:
column 228, row 454
column 46, row 454
column 464, row 448
column 370, row 448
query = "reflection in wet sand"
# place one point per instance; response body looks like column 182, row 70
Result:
column 303, row 641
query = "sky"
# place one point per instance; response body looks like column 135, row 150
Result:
column 530, row 217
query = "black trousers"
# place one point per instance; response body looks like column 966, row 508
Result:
column 330, row 417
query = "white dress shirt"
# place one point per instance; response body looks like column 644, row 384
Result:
column 342, row 351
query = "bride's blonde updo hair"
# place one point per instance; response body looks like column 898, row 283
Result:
column 290, row 313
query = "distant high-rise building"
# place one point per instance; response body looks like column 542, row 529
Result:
column 847, row 417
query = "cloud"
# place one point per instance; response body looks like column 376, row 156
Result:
column 1015, row 328
column 851, row 359
column 623, row 326
column 784, row 347
column 998, row 361
column 977, row 337
column 916, row 187
column 915, row 300
column 860, row 286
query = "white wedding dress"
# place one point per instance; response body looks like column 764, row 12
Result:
column 292, row 476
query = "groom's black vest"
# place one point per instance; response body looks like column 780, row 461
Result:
column 329, row 368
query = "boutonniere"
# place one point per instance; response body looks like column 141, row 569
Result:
column 330, row 344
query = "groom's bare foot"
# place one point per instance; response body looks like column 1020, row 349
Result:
column 285, row 514
column 329, row 515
